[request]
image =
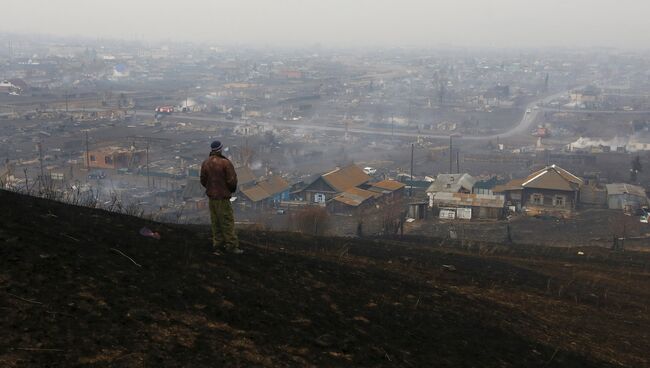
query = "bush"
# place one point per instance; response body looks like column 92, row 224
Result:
column 312, row 220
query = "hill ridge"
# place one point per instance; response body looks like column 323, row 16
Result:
column 69, row 299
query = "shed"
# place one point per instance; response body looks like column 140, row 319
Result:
column 627, row 197
column 468, row 206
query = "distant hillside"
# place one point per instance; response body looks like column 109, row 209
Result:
column 81, row 287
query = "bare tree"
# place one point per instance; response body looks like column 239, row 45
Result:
column 312, row 220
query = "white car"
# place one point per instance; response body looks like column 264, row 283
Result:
column 370, row 170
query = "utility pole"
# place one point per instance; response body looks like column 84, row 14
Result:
column 148, row 185
column 457, row 162
column 411, row 186
column 87, row 154
column 451, row 156
column 40, row 158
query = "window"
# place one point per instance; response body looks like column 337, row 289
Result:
column 92, row 157
column 558, row 201
column 108, row 160
column 537, row 199
column 319, row 198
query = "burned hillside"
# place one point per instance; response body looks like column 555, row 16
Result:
column 82, row 287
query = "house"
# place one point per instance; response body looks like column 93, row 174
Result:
column 389, row 189
column 264, row 194
column 467, row 206
column 549, row 190
column 451, row 183
column 8, row 87
column 485, row 186
column 627, row 197
column 114, row 158
column 20, row 84
column 352, row 201
column 331, row 184
column 276, row 187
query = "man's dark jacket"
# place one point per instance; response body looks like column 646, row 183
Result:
column 218, row 176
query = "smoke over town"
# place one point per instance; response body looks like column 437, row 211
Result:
column 301, row 183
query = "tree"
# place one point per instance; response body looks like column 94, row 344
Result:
column 312, row 220
column 393, row 215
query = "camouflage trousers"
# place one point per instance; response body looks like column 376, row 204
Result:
column 223, row 224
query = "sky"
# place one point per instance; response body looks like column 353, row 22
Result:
column 343, row 23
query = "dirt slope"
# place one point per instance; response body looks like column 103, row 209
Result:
column 69, row 298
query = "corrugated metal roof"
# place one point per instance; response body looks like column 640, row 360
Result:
column 623, row 188
column 274, row 185
column 266, row 188
column 452, row 183
column 391, row 185
column 255, row 193
column 552, row 177
column 345, row 178
column 355, row 196
column 470, row 200
column 514, row 184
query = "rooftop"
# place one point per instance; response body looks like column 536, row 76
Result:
column 390, row 185
column 623, row 188
column 355, row 196
column 345, row 178
column 452, row 183
column 552, row 177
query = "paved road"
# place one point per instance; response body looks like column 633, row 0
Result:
column 582, row 111
column 523, row 126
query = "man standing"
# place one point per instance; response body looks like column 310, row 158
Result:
column 220, row 181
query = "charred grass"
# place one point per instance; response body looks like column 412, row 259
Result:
column 68, row 299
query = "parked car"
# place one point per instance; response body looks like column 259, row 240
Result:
column 370, row 170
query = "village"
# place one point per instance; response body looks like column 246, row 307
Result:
column 424, row 143
column 324, row 184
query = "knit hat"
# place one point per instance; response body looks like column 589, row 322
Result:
column 216, row 146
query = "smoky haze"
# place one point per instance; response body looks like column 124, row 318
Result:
column 494, row 23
